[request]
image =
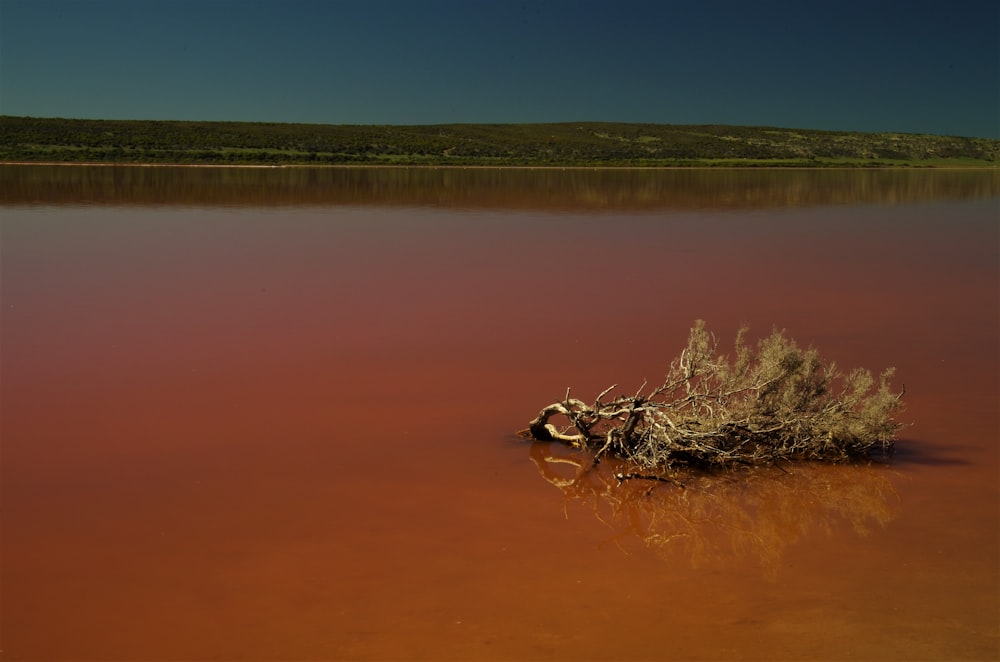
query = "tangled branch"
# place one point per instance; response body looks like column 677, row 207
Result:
column 777, row 402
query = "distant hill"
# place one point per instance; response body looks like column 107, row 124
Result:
column 563, row 144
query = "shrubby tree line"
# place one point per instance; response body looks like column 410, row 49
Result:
column 593, row 143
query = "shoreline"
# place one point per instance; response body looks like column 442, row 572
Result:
column 577, row 145
column 345, row 166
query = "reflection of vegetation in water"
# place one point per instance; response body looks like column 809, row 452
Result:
column 557, row 189
column 754, row 514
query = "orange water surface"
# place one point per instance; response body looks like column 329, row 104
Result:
column 271, row 415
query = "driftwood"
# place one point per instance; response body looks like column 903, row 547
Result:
column 776, row 403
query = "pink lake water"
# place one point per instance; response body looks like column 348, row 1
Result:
column 270, row 414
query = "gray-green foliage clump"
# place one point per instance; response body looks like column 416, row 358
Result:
column 759, row 405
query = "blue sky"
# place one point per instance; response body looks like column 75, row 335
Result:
column 910, row 66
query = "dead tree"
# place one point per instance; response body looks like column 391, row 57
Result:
column 778, row 402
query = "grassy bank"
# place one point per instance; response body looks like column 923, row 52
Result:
column 24, row 139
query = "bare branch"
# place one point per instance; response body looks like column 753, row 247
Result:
column 776, row 403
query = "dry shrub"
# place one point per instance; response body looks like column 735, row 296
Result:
column 756, row 406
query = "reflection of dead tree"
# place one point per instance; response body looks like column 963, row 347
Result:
column 778, row 403
column 754, row 514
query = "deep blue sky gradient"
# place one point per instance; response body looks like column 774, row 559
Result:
column 909, row 66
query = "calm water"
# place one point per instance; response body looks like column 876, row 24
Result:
column 269, row 414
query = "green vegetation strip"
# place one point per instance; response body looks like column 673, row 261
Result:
column 27, row 139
